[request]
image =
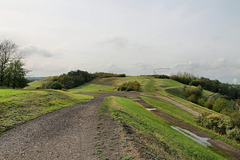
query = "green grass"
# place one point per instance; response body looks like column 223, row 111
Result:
column 108, row 84
column 170, row 143
column 184, row 116
column 18, row 106
column 170, row 109
column 176, row 92
column 37, row 84
column 92, row 88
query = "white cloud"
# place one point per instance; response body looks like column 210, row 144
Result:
column 133, row 37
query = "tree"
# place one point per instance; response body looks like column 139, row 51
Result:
column 12, row 73
column 15, row 74
column 7, row 51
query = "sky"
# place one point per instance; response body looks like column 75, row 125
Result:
column 135, row 37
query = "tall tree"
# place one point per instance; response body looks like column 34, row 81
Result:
column 15, row 75
column 8, row 50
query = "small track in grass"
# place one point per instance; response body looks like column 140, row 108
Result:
column 224, row 147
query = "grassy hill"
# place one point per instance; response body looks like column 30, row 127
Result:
column 37, row 84
column 18, row 106
column 149, row 131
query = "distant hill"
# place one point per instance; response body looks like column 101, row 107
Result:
column 34, row 78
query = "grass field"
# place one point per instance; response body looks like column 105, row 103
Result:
column 107, row 84
column 37, row 84
column 92, row 88
column 18, row 106
column 156, row 134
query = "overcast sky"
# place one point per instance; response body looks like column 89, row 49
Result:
column 126, row 36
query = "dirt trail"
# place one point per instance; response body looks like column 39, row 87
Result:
column 72, row 133
column 64, row 134
column 68, row 133
column 176, row 104
column 226, row 148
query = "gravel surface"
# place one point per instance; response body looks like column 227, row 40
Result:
column 68, row 133
column 64, row 134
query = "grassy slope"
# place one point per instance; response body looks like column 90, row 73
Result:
column 164, row 84
column 37, row 83
column 171, row 84
column 162, row 140
column 105, row 84
column 153, row 86
column 18, row 106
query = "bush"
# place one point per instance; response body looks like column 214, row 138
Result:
column 130, row 86
column 188, row 91
column 107, row 75
column 161, row 76
column 70, row 80
column 208, row 104
column 201, row 102
column 215, row 122
column 43, row 86
column 192, row 98
column 235, row 119
column 234, row 134
column 219, row 124
column 194, row 94
column 220, row 104
column 56, row 85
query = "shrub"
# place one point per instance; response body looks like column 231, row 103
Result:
column 56, row 85
column 201, row 102
column 215, row 122
column 235, row 119
column 234, row 134
column 220, row 104
column 130, row 86
column 219, row 124
column 192, row 98
column 43, row 86
column 188, row 91
column 208, row 104
column 161, row 76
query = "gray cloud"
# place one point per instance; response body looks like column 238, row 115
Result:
column 116, row 41
column 217, row 69
column 31, row 50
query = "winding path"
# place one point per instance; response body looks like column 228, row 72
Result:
column 64, row 134
column 68, row 133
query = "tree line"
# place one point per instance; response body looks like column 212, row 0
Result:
column 74, row 79
column 228, row 90
column 12, row 73
column 66, row 81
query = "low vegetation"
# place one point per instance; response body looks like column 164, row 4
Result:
column 18, row 106
column 130, row 86
column 66, row 81
column 107, row 75
column 223, row 125
column 228, row 90
column 152, row 134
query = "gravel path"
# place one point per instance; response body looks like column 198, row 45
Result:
column 64, row 134
column 68, row 133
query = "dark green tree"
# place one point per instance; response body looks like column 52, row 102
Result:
column 7, row 51
column 15, row 74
